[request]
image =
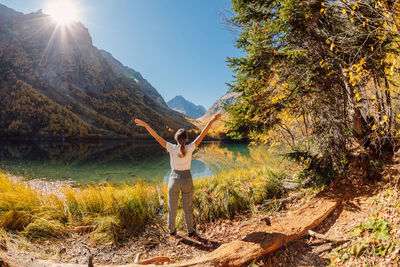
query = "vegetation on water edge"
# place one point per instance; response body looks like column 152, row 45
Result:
column 117, row 211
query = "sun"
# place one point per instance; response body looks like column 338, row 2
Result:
column 62, row 11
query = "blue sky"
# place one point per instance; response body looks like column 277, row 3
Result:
column 179, row 46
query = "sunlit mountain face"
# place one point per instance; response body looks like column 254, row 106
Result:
column 55, row 83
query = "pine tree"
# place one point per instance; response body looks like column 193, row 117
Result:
column 310, row 71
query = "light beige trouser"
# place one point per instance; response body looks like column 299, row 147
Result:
column 180, row 181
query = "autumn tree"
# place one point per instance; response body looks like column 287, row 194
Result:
column 315, row 74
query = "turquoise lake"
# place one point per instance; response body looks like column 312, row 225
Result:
column 118, row 162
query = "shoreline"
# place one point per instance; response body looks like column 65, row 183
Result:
column 42, row 185
column 118, row 162
column 110, row 139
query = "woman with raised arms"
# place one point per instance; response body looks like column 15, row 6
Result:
column 180, row 179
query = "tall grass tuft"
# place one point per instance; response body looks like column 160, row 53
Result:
column 17, row 196
column 108, row 229
column 18, row 204
column 15, row 219
column 226, row 194
column 41, row 228
column 130, row 206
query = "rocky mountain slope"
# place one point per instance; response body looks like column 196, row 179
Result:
column 55, row 83
column 144, row 85
column 180, row 104
column 218, row 106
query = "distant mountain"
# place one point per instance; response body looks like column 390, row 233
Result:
column 180, row 104
column 55, row 83
column 219, row 130
column 218, row 106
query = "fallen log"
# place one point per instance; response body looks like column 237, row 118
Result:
column 269, row 238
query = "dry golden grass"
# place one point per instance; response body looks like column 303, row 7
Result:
column 117, row 211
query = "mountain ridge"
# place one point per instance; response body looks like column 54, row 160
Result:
column 218, row 107
column 180, row 104
column 55, row 83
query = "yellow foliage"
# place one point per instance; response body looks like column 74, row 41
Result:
column 356, row 72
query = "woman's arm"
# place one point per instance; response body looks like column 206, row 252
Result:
column 159, row 139
column 205, row 130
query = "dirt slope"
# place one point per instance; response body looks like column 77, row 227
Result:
column 353, row 211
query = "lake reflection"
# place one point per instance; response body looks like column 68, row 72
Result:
column 117, row 162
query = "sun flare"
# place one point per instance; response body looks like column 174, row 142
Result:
column 62, row 11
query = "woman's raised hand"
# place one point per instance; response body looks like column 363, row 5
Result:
column 140, row 123
column 159, row 139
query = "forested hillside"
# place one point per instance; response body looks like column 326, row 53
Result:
column 55, row 83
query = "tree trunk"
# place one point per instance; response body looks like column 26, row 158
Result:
column 389, row 107
column 355, row 110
